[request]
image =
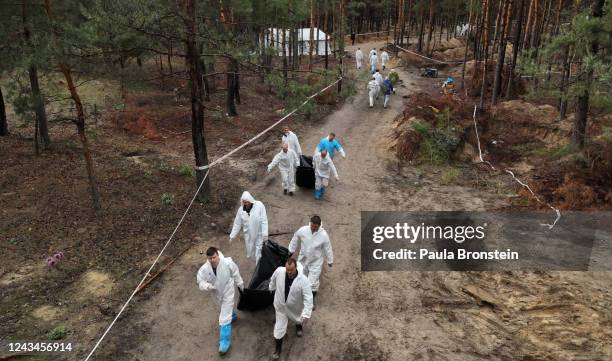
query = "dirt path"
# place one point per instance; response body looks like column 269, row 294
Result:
column 361, row 316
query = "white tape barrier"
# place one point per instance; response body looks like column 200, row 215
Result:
column 207, row 168
column 150, row 269
column 374, row 32
column 524, row 185
column 219, row 160
column 424, row 57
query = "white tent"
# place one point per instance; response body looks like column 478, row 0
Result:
column 274, row 38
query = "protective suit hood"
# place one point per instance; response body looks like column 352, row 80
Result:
column 246, row 196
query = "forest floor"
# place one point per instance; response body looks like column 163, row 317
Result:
column 373, row 316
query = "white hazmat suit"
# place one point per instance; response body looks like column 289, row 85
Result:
column 292, row 141
column 298, row 305
column 287, row 164
column 373, row 61
column 254, row 225
column 379, row 81
column 314, row 249
column 222, row 284
column 384, row 59
column 372, row 91
column 359, row 58
column 324, row 169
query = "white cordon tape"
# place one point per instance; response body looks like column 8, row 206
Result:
column 219, row 160
column 150, row 269
column 374, row 32
column 424, row 57
column 524, row 185
column 207, row 168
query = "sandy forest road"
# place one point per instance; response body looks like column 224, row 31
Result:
column 361, row 316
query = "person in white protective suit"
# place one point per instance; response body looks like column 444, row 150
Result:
column 252, row 218
column 372, row 90
column 384, row 59
column 315, row 248
column 324, row 168
column 373, row 61
column 359, row 58
column 292, row 301
column 372, row 51
column 291, row 139
column 220, row 275
column 379, row 80
column 287, row 162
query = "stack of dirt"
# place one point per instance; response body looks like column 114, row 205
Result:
column 517, row 132
column 137, row 122
column 431, row 111
column 410, row 59
column 539, row 316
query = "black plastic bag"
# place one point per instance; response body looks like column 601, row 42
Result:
column 256, row 296
column 304, row 175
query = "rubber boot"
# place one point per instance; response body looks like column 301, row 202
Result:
column 317, row 194
column 277, row 351
column 234, row 316
column 314, row 295
column 322, row 191
column 225, row 338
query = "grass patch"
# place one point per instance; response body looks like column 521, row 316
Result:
column 57, row 333
column 187, row 171
column 167, row 199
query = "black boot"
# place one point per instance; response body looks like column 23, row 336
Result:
column 277, row 351
column 314, row 295
column 299, row 331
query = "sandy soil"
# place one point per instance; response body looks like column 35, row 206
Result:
column 376, row 315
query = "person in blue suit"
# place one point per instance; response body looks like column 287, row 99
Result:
column 331, row 144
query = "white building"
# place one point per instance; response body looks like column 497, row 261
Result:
column 274, row 38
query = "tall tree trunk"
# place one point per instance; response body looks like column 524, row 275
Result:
column 80, row 119
column 80, row 124
column 204, row 77
column 3, row 122
column 498, row 19
column 528, row 24
column 197, row 106
column 237, row 83
column 515, row 48
column 39, row 108
column 409, row 16
column 170, row 58
column 430, row 26
column 465, row 53
column 41, row 135
column 501, row 53
column 231, row 88
column 582, row 101
column 340, row 44
column 326, row 25
column 421, row 30
column 311, row 43
column 285, row 61
column 563, row 86
column 487, row 14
